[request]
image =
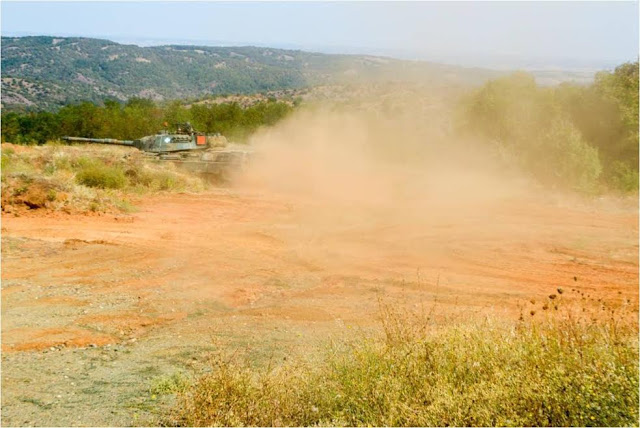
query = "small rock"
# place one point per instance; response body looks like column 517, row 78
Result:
column 52, row 348
column 560, row 290
column 93, row 345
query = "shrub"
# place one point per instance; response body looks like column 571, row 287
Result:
column 623, row 177
column 564, row 158
column 6, row 160
column 97, row 174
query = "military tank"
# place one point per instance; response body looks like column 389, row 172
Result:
column 204, row 154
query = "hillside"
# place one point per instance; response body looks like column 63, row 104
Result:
column 48, row 72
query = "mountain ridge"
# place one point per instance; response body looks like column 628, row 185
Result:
column 47, row 72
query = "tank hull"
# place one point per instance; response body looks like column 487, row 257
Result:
column 215, row 166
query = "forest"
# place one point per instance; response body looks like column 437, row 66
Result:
column 138, row 117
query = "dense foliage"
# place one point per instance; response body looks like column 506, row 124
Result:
column 137, row 118
column 569, row 135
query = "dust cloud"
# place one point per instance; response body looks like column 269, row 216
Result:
column 351, row 165
column 374, row 195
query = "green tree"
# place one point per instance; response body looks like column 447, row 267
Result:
column 83, row 120
column 11, row 130
column 141, row 117
column 621, row 89
column 530, row 124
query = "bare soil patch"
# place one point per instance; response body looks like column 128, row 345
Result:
column 94, row 308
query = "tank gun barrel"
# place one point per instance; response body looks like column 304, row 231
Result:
column 100, row 141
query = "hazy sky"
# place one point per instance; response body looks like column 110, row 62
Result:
column 463, row 32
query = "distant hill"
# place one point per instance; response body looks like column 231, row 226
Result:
column 44, row 73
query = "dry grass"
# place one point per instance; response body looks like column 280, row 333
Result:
column 85, row 178
column 559, row 369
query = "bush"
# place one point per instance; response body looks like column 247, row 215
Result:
column 98, row 174
column 565, row 373
column 564, row 158
column 623, row 177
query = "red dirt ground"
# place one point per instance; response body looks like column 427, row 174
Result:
column 95, row 309
column 264, row 259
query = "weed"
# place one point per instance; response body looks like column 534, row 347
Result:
column 553, row 372
column 36, row 402
column 6, row 160
column 102, row 176
column 172, row 384
column 125, row 206
column 22, row 189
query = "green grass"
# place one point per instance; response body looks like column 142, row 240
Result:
column 559, row 371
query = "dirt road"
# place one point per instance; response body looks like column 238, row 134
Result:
column 95, row 309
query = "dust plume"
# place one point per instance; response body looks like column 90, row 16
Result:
column 374, row 195
column 395, row 168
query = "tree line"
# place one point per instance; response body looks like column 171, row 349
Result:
column 583, row 137
column 139, row 117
